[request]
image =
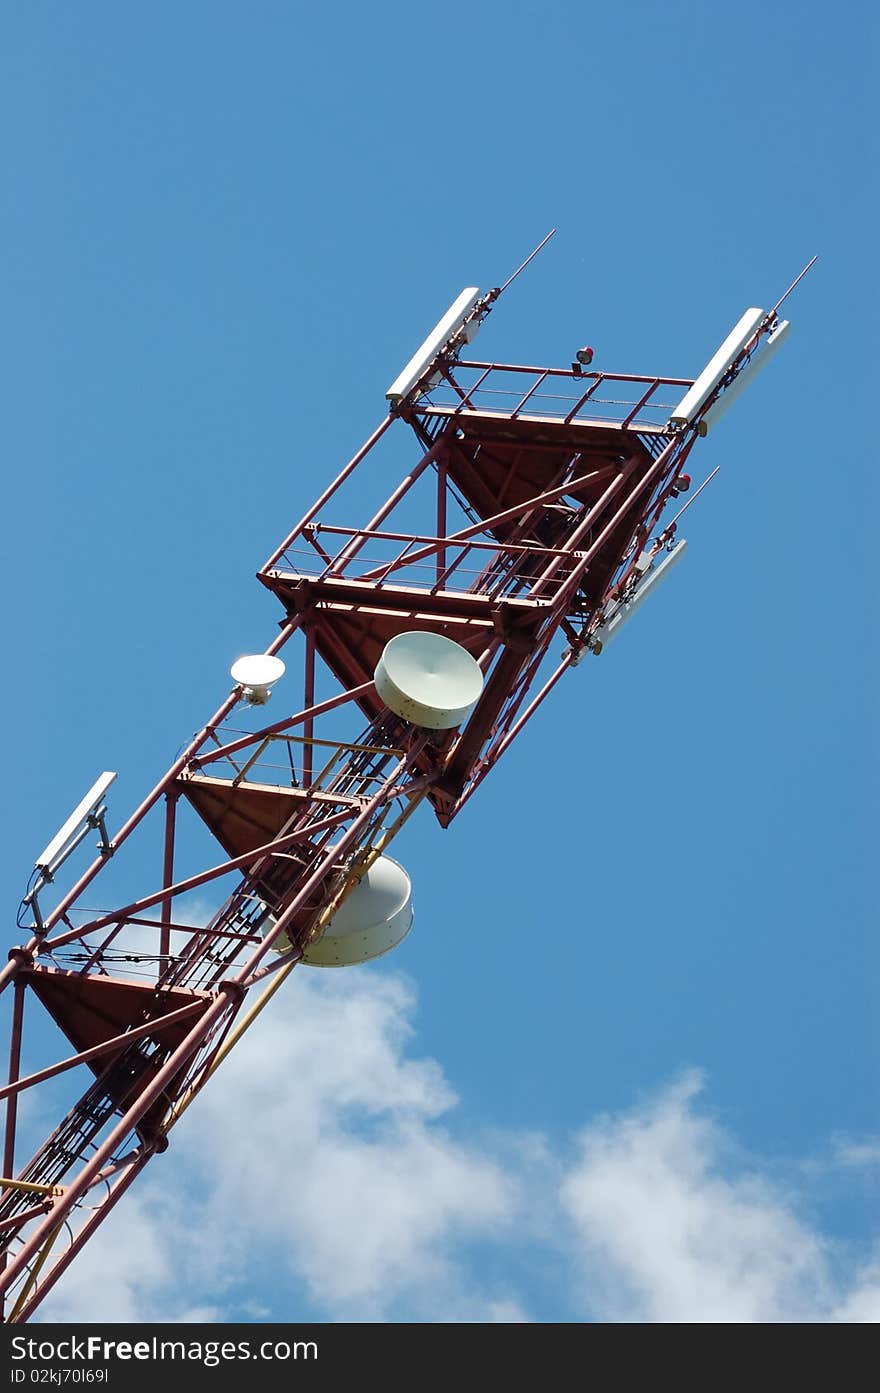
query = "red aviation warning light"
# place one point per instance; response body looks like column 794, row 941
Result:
column 542, row 497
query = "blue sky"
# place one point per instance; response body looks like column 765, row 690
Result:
column 226, row 227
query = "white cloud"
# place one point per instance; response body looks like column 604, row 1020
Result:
column 661, row 1234
column 344, row 1168
column 862, row 1302
column 322, row 1163
column 858, row 1154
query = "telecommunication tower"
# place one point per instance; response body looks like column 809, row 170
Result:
column 540, row 504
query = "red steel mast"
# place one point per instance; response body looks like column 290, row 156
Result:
column 540, row 495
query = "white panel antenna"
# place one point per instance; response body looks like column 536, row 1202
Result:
column 626, row 608
column 746, row 374
column 87, row 813
column 717, row 366
column 449, row 329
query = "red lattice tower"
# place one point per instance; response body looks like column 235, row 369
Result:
column 541, row 495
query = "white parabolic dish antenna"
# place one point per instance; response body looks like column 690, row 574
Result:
column 428, row 679
column 257, row 672
column 373, row 918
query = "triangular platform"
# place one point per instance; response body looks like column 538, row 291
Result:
column 93, row 1009
column 243, row 816
column 90, row 1010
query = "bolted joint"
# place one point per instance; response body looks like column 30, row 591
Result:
column 234, row 990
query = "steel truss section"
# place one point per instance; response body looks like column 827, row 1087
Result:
column 535, row 502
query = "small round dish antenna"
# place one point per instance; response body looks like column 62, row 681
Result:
column 428, row 679
column 373, row 918
column 256, row 673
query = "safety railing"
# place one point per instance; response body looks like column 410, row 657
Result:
column 429, row 564
column 559, row 394
column 332, row 768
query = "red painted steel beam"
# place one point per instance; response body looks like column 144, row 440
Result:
column 442, row 525
column 308, row 702
column 477, row 546
column 283, row 960
column 224, row 1001
column 14, row 1067
column 466, row 400
column 301, row 718
column 16, row 1221
column 642, row 401
column 168, row 870
column 386, row 793
column 117, row 1042
column 12, row 1103
column 17, row 960
column 248, row 858
column 491, row 701
column 328, row 492
column 582, row 401
column 549, row 496
column 350, row 552
column 492, row 757
column 530, row 393
column 582, row 529
column 485, row 713
column 661, row 464
column 578, row 376
column 61, row 1264
column 177, row 925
